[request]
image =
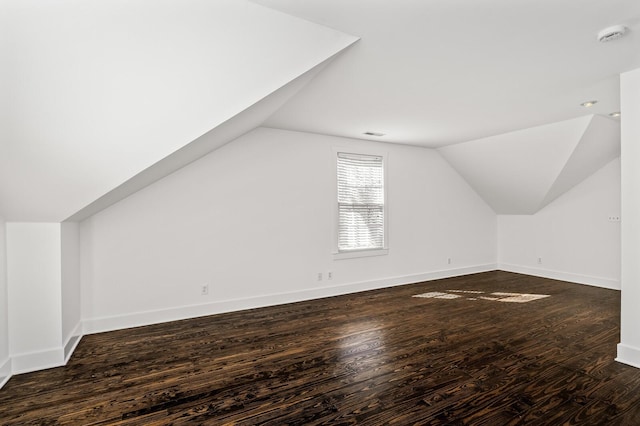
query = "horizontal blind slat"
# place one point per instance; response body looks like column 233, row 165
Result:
column 360, row 201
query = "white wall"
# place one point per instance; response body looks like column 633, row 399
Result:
column 70, row 294
column 33, row 275
column 629, row 347
column 254, row 220
column 573, row 235
column 5, row 364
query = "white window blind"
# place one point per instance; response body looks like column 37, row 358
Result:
column 360, row 202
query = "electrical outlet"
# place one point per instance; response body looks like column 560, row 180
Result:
column 319, row 276
column 539, row 261
column 448, row 261
column 204, row 290
column 614, row 218
column 329, row 275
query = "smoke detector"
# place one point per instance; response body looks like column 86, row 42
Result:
column 612, row 33
column 373, row 134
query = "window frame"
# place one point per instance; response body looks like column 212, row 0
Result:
column 356, row 253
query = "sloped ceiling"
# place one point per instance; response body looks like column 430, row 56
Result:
column 101, row 98
column 467, row 77
column 93, row 93
column 521, row 172
column 228, row 131
column 599, row 144
column 439, row 72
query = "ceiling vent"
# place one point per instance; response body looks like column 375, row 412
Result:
column 612, row 33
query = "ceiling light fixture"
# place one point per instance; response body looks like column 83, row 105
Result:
column 373, row 134
column 615, row 114
column 589, row 104
column 612, row 33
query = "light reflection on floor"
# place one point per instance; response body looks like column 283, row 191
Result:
column 361, row 350
column 481, row 295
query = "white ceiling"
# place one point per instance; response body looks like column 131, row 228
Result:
column 521, row 172
column 104, row 97
column 439, row 72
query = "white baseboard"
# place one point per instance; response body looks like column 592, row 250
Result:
column 41, row 360
column 70, row 347
column 99, row 325
column 34, row 361
column 72, row 342
column 562, row 276
column 628, row 355
column 5, row 371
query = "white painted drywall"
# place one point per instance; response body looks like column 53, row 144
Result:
column 33, row 273
column 70, row 299
column 514, row 171
column 572, row 235
column 629, row 347
column 255, row 218
column 599, row 145
column 95, row 92
column 4, row 306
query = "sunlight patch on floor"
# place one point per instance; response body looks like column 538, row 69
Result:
column 481, row 295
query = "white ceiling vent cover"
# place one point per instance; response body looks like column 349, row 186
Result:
column 612, row 33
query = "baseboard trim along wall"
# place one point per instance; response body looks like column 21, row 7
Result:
column 99, row 325
column 5, row 371
column 72, row 341
column 628, row 355
column 70, row 347
column 34, row 361
column 41, row 360
column 609, row 283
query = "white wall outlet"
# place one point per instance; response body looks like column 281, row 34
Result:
column 319, row 276
column 539, row 261
column 448, row 261
column 329, row 275
column 204, row 290
column 614, row 218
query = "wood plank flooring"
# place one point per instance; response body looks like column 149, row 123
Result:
column 375, row 358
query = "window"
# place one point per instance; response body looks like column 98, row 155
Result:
column 361, row 207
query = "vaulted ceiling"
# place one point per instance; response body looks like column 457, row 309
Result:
column 95, row 93
column 438, row 72
column 102, row 98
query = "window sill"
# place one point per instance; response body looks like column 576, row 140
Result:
column 360, row 253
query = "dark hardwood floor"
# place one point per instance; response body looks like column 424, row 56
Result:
column 374, row 358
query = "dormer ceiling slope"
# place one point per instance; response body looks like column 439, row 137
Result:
column 94, row 93
column 521, row 172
